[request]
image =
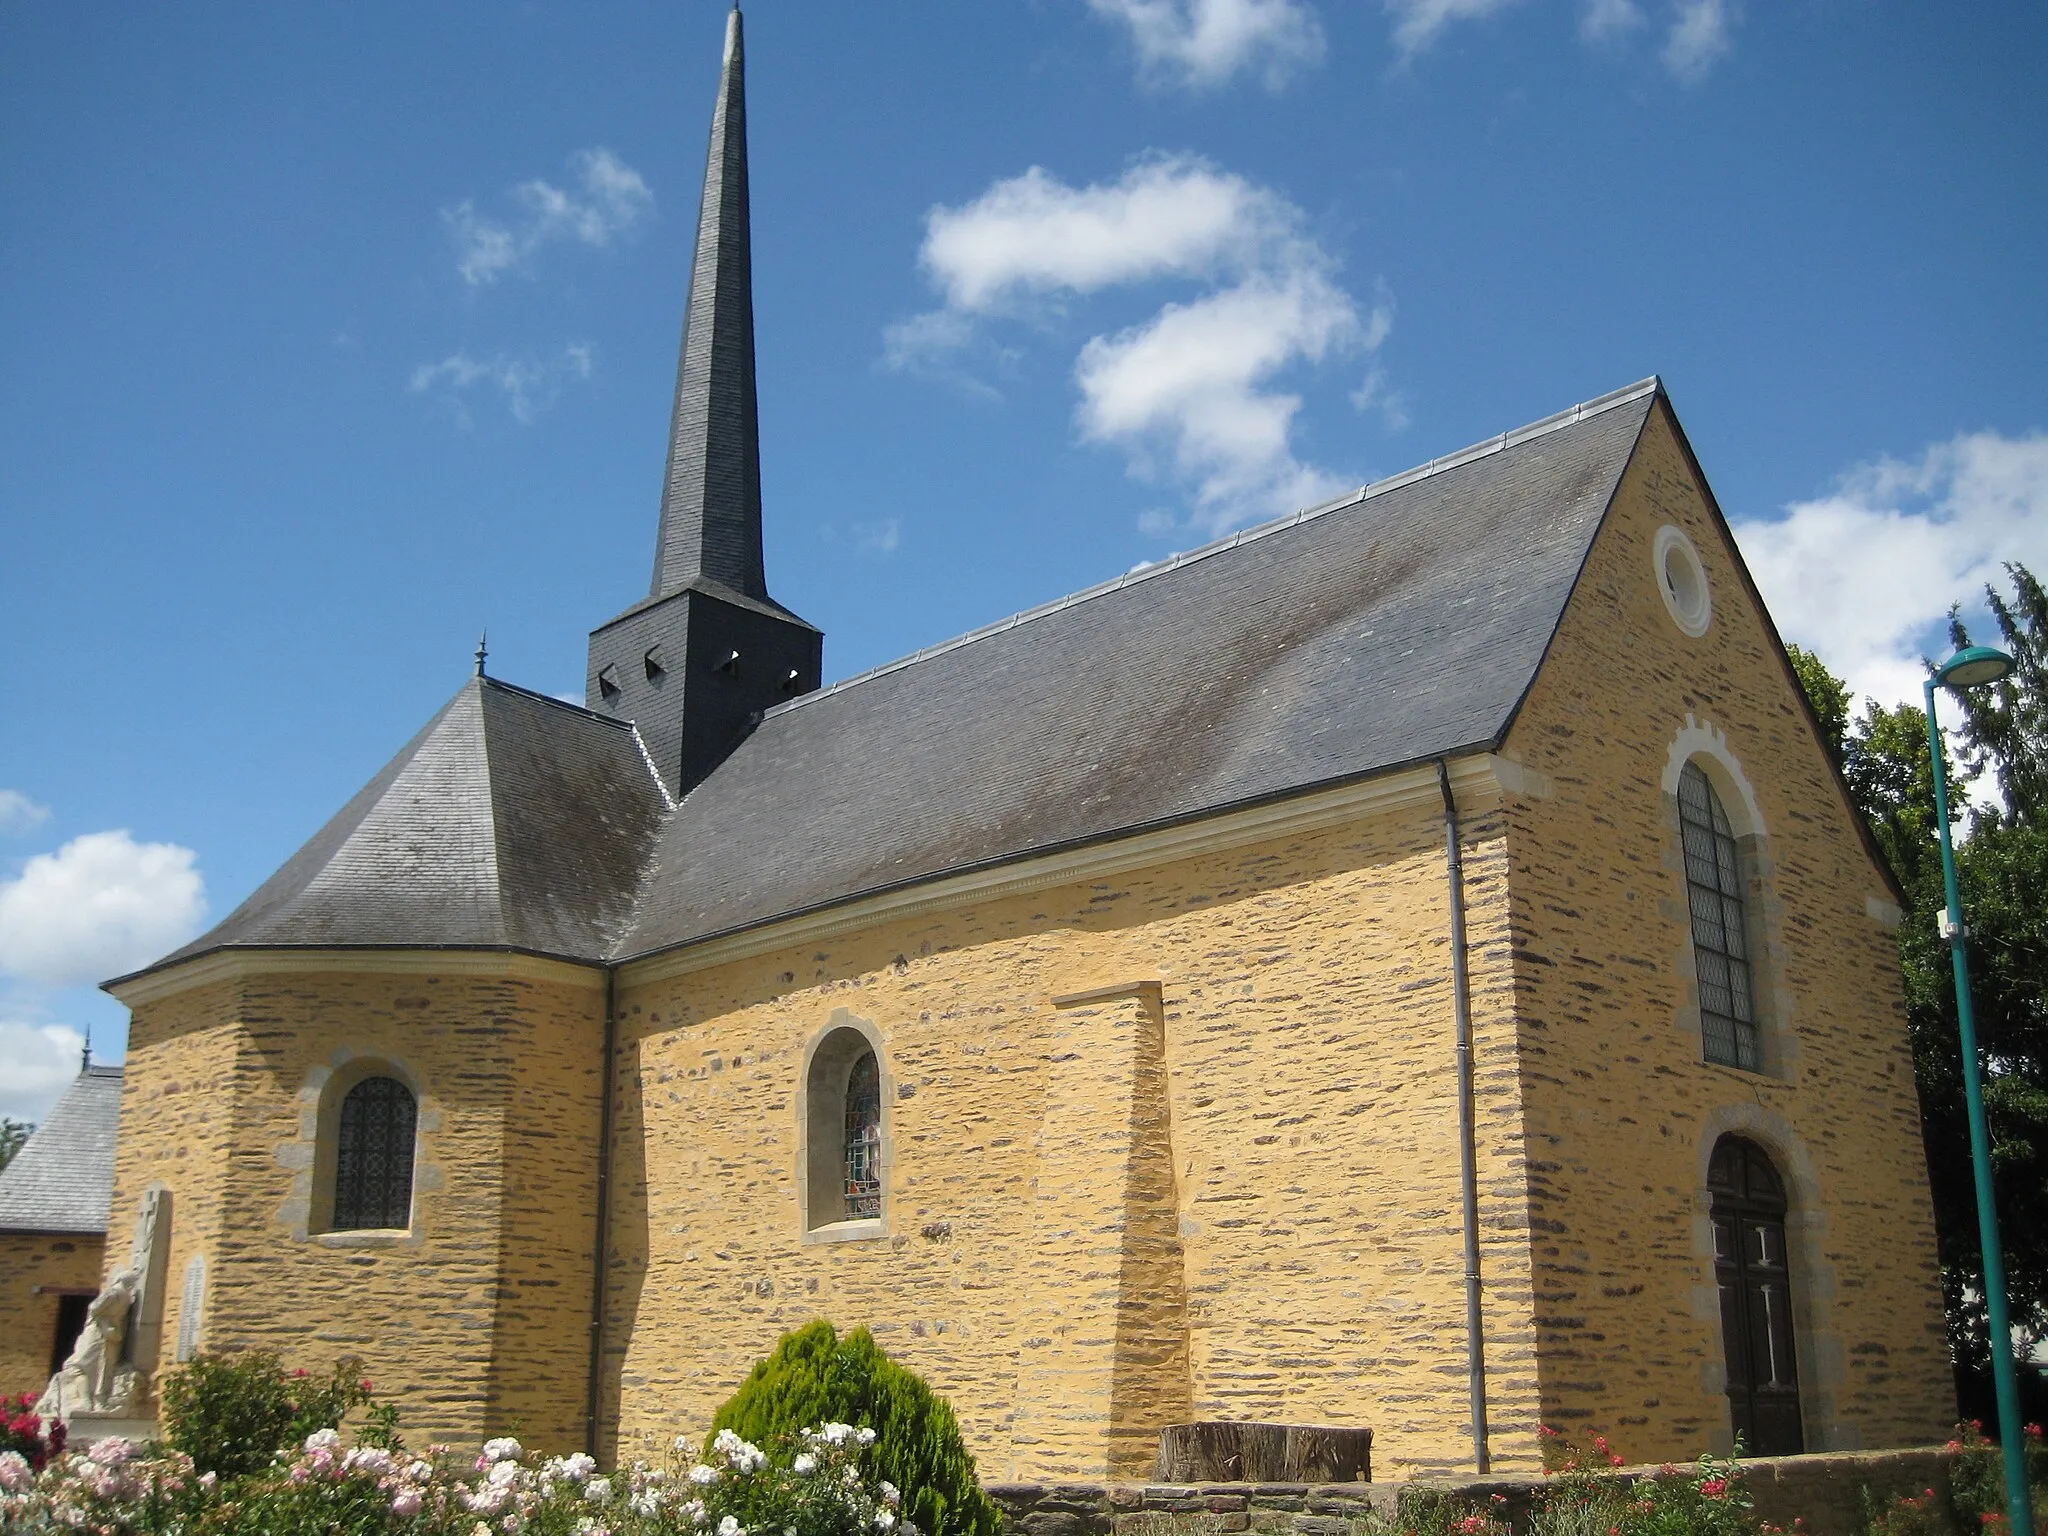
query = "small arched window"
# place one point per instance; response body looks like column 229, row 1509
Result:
column 845, row 1174
column 1720, row 932
column 373, row 1153
column 864, row 1140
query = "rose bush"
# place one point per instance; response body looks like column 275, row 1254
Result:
column 22, row 1432
column 816, row 1487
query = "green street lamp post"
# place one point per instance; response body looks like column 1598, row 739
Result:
column 1973, row 667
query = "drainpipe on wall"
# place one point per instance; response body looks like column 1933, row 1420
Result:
column 604, row 1210
column 1461, row 988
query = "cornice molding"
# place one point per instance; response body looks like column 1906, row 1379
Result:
column 245, row 964
column 1479, row 782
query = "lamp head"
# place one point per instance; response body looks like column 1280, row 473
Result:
column 1973, row 667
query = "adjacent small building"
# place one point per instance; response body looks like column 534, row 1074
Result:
column 53, row 1229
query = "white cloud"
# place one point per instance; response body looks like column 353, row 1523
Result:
column 1167, row 216
column 1603, row 21
column 1699, row 37
column 100, row 905
column 1374, row 393
column 1198, row 43
column 610, row 197
column 880, row 537
column 1189, row 380
column 19, row 814
column 529, row 386
column 1701, row 32
column 1418, row 23
column 1187, row 393
column 1865, row 576
column 37, row 1063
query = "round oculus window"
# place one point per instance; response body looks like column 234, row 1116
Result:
column 1682, row 581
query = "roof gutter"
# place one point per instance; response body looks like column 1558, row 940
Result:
column 1468, row 1168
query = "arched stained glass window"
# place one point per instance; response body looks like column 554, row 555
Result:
column 864, row 1139
column 373, row 1153
column 1720, row 932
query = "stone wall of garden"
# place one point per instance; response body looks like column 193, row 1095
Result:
column 1826, row 1493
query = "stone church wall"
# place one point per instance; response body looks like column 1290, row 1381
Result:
column 177, row 1131
column 1622, row 1111
column 35, row 1270
column 1181, row 1142
column 478, row 1316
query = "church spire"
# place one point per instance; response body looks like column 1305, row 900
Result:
column 696, row 664
column 711, row 501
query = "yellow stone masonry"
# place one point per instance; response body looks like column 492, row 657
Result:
column 1306, row 1121
column 475, row 1319
column 1622, row 1112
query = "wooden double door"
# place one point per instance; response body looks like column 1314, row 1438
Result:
column 1756, row 1298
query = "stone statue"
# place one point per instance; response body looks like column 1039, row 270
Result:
column 108, row 1370
column 93, row 1379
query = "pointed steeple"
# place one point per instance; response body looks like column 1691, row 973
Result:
column 711, row 501
column 696, row 663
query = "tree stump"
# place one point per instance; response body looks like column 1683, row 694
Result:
column 1224, row 1451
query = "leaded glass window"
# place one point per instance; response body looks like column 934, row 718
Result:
column 373, row 1156
column 864, row 1139
column 1720, row 931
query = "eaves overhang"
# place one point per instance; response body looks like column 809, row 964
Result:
column 233, row 962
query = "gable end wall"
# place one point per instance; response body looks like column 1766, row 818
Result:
column 1621, row 1109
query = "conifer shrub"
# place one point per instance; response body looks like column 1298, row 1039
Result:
column 815, row 1377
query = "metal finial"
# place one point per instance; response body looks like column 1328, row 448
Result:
column 85, row 1055
column 482, row 650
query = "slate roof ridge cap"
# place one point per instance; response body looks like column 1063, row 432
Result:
column 653, row 772
column 1484, row 448
column 560, row 703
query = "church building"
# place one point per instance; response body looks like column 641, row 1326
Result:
column 1408, row 965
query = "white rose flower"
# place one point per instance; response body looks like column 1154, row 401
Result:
column 865, row 1435
column 805, row 1464
column 598, row 1490
column 884, row 1520
column 502, row 1449
column 703, row 1476
column 730, row 1527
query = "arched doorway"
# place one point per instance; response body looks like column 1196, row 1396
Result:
column 1756, row 1298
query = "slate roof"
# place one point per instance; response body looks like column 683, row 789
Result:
column 711, row 496
column 1395, row 626
column 63, row 1179
column 513, row 821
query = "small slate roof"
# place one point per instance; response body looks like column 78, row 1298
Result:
column 513, row 821
column 1398, row 625
column 63, row 1179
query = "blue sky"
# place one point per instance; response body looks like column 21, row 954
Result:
column 329, row 335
